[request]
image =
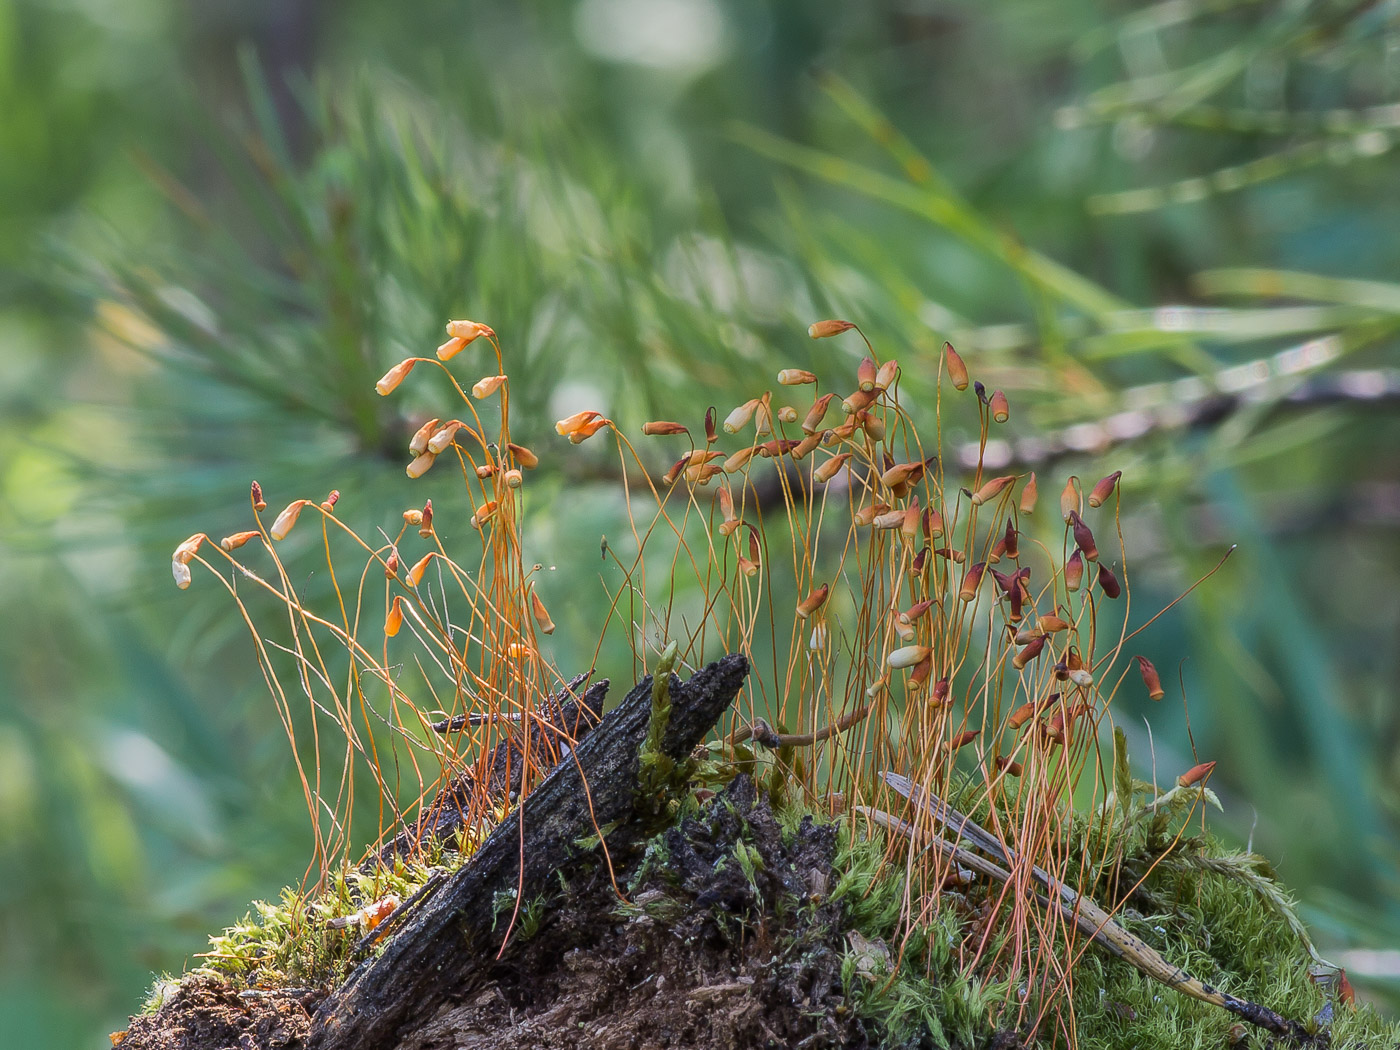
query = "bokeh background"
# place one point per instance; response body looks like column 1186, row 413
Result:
column 220, row 222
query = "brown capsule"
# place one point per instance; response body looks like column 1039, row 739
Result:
column 813, row 602
column 391, row 564
column 961, row 740
column 1005, row 764
column 1001, row 410
column 1195, row 775
column 258, row 502
column 1069, row 498
column 825, row 329
column 1008, row 583
column 1009, row 541
column 971, row 581
column 1104, row 489
column 392, row 378
column 659, row 427
column 425, row 520
column 487, row 470
column 839, row 434
column 484, row 513
column 787, row 414
column 1074, row 571
column 1029, row 653
column 739, row 460
column 860, row 399
column 932, row 523
column 413, row 516
column 1083, row 538
column 795, row 377
column 540, row 613
column 1050, row 624
column 711, row 435
column 806, row 446
column 992, row 489
column 941, row 689
column 394, row 619
column 1151, row 678
column 1109, row 582
column 957, row 371
column 813, row 421
column 1345, row 992
column 918, row 610
column 1055, row 728
column 1029, row 495
column 831, row 467
column 754, row 554
column 923, row 671
column 328, row 504
column 920, row 561
column 909, row 526
column 865, row 374
column 957, row 557
column 419, row 442
column 902, row 474
column 189, row 548
column 872, row 424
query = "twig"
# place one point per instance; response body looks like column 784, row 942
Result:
column 1093, row 920
column 762, row 733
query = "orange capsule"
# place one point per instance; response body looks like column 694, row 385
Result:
column 1001, row 409
column 1029, row 495
column 413, row 516
column 813, row 421
column 1151, row 678
column 866, row 514
column 513, row 479
column 839, row 434
column 569, row 424
column 872, row 424
column 1074, row 571
column 450, row 349
column 284, row 522
column 1345, row 992
column 971, row 581
column 587, row 430
column 425, row 520
column 1021, row 716
column 1108, row 582
column 923, row 671
column 1005, row 764
column 1104, row 489
column 806, row 446
column 258, row 503
column 232, row 543
column 1195, row 775
column 957, row 371
column 541, row 614
column 1029, row 653
column 486, row 386
column 992, row 489
column 1083, row 538
column 825, row 329
column 420, row 465
column 787, row 414
column 419, row 443
column 485, row 513
column 865, row 374
column 189, row 548
column 932, row 523
column 468, row 331
column 415, row 574
column 527, row 459
column 902, row 474
column 739, row 460
column 1050, row 623
column 394, row 619
column 487, row 470
column 1069, row 498
column 918, row 610
column 796, row 377
column 391, row 564
column 909, row 526
column 392, row 378
column 812, row 602
column 373, row 914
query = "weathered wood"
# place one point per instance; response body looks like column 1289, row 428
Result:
column 459, row 927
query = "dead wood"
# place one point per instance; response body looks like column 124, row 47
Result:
column 462, row 925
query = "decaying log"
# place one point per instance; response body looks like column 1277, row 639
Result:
column 460, row 925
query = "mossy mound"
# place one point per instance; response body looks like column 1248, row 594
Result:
column 739, row 927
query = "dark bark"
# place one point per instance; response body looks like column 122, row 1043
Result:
column 422, row 966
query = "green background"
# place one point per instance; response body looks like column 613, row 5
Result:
column 219, row 223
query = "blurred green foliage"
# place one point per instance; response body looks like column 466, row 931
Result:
column 219, row 224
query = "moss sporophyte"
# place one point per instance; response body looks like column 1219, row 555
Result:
column 936, row 664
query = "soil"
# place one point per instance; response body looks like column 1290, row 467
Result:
column 717, row 946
